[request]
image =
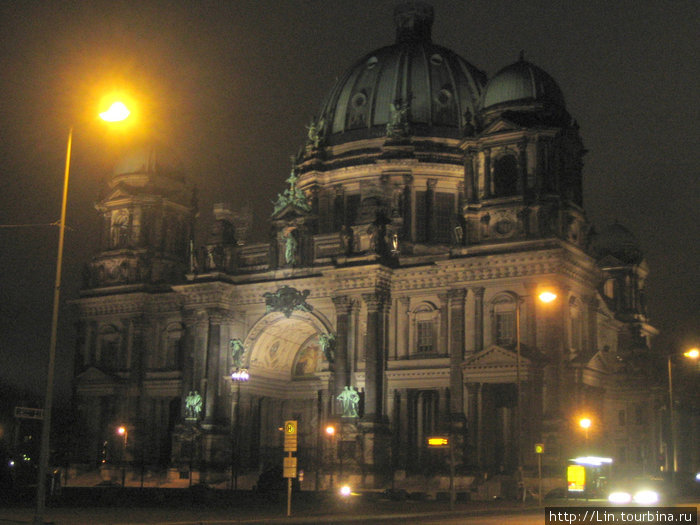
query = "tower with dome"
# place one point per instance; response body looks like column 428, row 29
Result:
column 423, row 215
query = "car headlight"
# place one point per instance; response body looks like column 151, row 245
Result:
column 646, row 497
column 345, row 490
column 619, row 497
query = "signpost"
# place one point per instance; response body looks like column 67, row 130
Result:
column 289, row 467
column 539, row 450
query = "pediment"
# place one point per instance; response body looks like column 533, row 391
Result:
column 495, row 356
column 94, row 375
column 500, row 125
column 118, row 193
column 289, row 212
column 610, row 261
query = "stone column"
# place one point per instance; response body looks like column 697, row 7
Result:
column 377, row 305
column 470, row 187
column 211, row 366
column 478, row 319
column 487, row 173
column 402, row 326
column 430, row 210
column 522, row 168
column 341, row 369
column 456, row 300
column 376, row 436
column 443, row 345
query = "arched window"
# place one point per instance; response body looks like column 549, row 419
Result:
column 505, row 176
column 426, row 317
column 120, row 229
column 503, row 316
column 109, row 355
column 172, row 346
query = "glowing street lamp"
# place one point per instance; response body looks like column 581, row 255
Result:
column 585, row 423
column 546, row 296
column 692, row 353
column 48, row 398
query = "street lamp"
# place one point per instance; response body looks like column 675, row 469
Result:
column 119, row 113
column 330, row 432
column 585, row 423
column 238, row 376
column 546, row 296
column 124, row 433
column 693, row 353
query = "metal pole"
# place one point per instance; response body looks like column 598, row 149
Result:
column 289, row 492
column 539, row 475
column 48, row 399
column 518, row 385
column 672, row 421
column 452, row 473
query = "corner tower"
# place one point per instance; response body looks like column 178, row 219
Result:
column 147, row 222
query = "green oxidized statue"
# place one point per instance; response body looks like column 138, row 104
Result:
column 350, row 399
column 292, row 195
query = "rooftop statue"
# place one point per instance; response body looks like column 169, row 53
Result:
column 292, row 195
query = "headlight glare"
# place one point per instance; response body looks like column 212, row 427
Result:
column 619, row 498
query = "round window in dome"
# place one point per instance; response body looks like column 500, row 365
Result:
column 444, row 96
column 359, row 100
column 371, row 62
column 436, row 59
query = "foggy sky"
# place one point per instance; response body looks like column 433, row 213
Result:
column 230, row 86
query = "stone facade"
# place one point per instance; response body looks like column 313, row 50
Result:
column 421, row 254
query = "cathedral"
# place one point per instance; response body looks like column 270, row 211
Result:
column 398, row 296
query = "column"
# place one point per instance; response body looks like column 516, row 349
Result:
column 470, row 190
column 402, row 326
column 522, row 168
column 456, row 301
column 211, row 366
column 478, row 319
column 430, row 210
column 377, row 305
column 341, row 379
column 443, row 345
column 487, row 173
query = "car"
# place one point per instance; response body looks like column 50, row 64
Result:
column 639, row 491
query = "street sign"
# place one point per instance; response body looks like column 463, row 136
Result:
column 289, row 467
column 290, row 436
column 29, row 413
column 539, row 448
column 438, row 441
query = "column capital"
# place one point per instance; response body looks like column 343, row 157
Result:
column 457, row 294
column 343, row 304
column 479, row 291
column 377, row 300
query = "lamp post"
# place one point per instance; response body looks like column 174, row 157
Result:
column 693, row 353
column 330, row 432
column 546, row 296
column 124, row 433
column 238, row 376
column 117, row 112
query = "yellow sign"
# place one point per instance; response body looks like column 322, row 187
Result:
column 290, row 427
column 576, row 478
column 438, row 441
column 290, row 437
column 289, row 467
column 539, row 448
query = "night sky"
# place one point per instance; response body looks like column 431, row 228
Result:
column 231, row 85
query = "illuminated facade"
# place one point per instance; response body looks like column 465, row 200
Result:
column 427, row 209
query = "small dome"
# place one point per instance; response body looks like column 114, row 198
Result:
column 438, row 88
column 148, row 158
column 522, row 83
column 618, row 241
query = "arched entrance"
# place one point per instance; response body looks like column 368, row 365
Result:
column 288, row 377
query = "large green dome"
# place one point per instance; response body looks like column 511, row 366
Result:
column 440, row 88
